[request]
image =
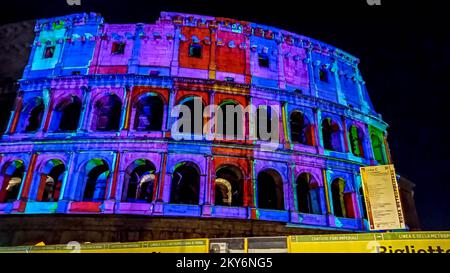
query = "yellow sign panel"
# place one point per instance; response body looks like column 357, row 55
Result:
column 396, row 242
column 382, row 198
column 169, row 246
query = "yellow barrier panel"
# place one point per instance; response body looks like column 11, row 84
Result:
column 169, row 246
column 396, row 242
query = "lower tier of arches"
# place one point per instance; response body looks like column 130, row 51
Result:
column 185, row 180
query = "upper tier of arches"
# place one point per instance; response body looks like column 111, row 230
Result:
column 195, row 46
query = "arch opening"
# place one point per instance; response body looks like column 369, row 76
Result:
column 270, row 190
column 149, row 114
column 364, row 207
column 301, row 129
column 331, row 134
column 308, row 194
column 107, row 112
column 139, row 182
column 67, row 115
column 377, row 147
column 356, row 141
column 231, row 123
column 34, row 115
column 229, row 186
column 51, row 181
column 13, row 174
column 97, row 174
column 342, row 201
column 196, row 117
column 185, row 188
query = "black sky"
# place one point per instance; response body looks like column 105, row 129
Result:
column 404, row 47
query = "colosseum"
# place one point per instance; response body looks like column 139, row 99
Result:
column 88, row 152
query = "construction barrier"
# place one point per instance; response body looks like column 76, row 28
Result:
column 393, row 242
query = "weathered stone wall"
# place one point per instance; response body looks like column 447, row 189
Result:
column 18, row 230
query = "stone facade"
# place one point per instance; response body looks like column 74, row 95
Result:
column 31, row 229
column 90, row 131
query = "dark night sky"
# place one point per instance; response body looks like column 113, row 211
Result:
column 404, row 49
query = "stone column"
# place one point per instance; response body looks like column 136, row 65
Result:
column 346, row 148
column 124, row 111
column 286, row 126
column 174, row 65
column 120, row 185
column 128, row 108
column 340, row 94
column 213, row 131
column 170, row 119
column 111, row 193
column 133, row 63
column 159, row 195
column 293, row 188
column 281, row 76
column 253, row 186
column 210, row 181
column 49, row 109
column 327, row 192
column 63, row 201
column 212, row 61
column 368, row 151
column 60, row 64
column 312, row 80
column 318, row 136
column 83, row 124
column 68, row 172
column 25, row 187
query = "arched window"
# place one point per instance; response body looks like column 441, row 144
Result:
column 301, row 129
column 234, row 123
column 308, row 194
column 331, row 135
column 377, row 147
column 149, row 113
column 13, row 174
column 342, row 201
column 139, row 181
column 97, row 173
column 229, row 186
column 107, row 113
column 196, row 116
column 185, row 187
column 337, row 191
column 33, row 115
column 66, row 115
column 51, row 181
column 270, row 190
column 356, row 141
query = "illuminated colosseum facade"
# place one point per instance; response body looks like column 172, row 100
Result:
column 90, row 132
